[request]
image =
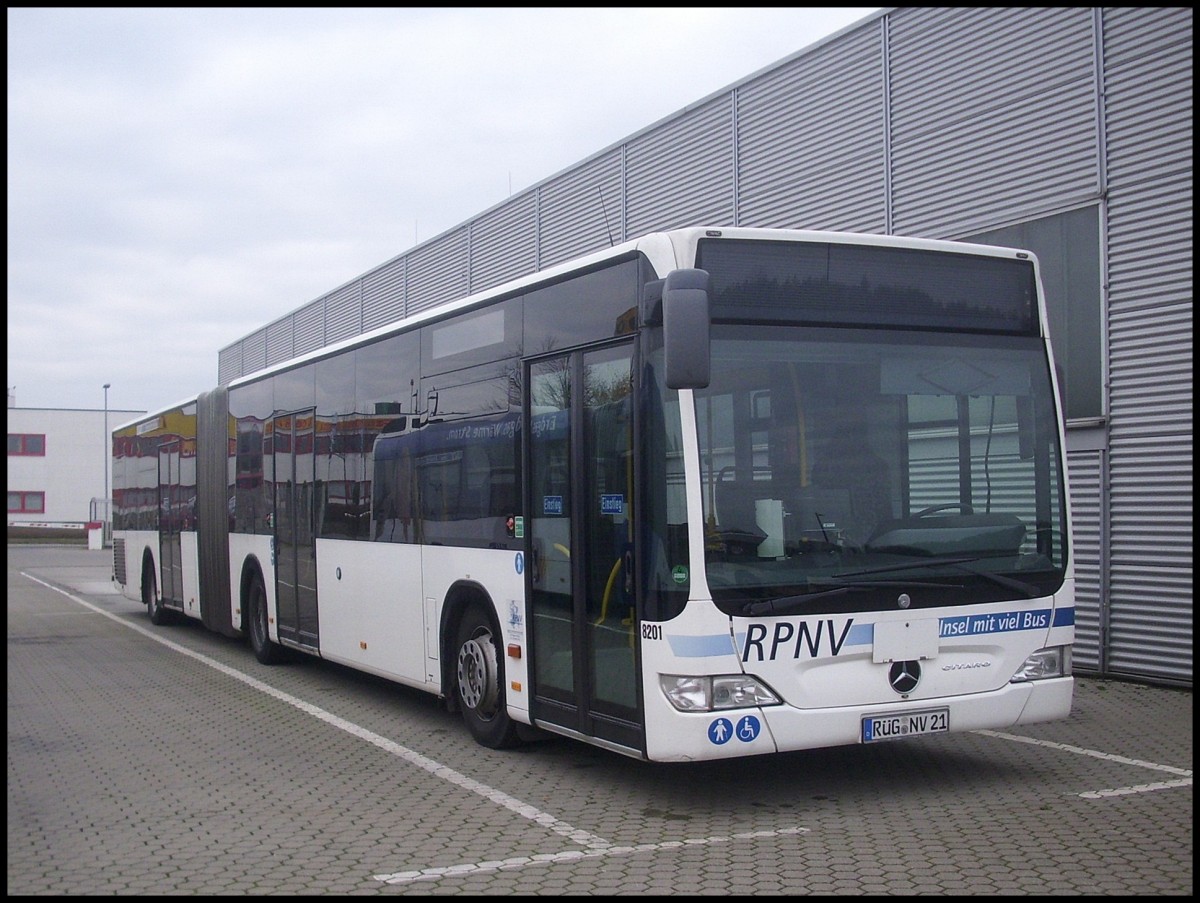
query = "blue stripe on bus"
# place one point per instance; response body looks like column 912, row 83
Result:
column 1064, row 617
column 701, row 646
column 864, row 634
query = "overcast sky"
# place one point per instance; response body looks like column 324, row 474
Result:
column 179, row 178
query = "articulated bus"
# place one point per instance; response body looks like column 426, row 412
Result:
column 708, row 493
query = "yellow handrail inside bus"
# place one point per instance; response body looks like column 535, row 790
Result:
column 612, row 578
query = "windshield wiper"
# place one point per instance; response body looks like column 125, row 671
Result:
column 774, row 606
column 836, row 588
column 1020, row 586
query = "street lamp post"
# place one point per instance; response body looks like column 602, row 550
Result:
column 107, row 443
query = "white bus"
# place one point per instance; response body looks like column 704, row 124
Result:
column 712, row 492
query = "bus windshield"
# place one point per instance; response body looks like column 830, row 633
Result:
column 840, row 464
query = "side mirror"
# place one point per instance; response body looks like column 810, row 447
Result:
column 686, row 329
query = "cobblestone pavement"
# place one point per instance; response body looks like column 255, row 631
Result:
column 166, row 760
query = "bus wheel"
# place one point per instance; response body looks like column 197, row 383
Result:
column 150, row 597
column 267, row 652
column 480, row 677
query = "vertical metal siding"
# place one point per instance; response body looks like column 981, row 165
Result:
column 280, row 340
column 309, row 326
column 503, row 243
column 972, row 93
column 437, row 272
column 384, row 297
column 342, row 314
column 229, row 363
column 579, row 211
column 810, row 140
column 1089, row 537
column 681, row 173
column 254, row 351
column 1148, row 113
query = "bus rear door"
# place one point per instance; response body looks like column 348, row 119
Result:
column 295, row 520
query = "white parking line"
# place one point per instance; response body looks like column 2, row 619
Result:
column 437, row 769
column 499, row 865
column 1184, row 773
column 1140, row 788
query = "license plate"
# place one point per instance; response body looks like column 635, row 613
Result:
column 910, row 724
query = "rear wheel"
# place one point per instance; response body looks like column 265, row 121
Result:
column 480, row 682
column 265, row 651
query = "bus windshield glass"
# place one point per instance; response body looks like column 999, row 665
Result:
column 840, row 464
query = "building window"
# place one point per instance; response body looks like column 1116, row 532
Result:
column 26, row 502
column 1068, row 248
column 26, row 444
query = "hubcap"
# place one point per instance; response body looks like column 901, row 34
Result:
column 477, row 674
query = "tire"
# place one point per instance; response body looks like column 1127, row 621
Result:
column 158, row 613
column 479, row 682
column 267, row 652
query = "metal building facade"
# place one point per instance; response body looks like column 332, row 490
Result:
column 943, row 123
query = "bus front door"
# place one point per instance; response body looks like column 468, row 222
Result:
column 295, row 541
column 580, row 515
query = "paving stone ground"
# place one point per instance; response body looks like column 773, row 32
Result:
column 166, row 760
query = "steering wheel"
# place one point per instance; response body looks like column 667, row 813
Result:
column 957, row 506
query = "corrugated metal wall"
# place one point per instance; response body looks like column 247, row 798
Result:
column 1089, row 521
column 582, row 210
column 342, row 313
column 1148, row 80
column 504, row 243
column 437, row 272
column 254, row 351
column 309, row 323
column 281, row 343
column 383, row 294
column 682, row 172
column 229, row 364
column 919, row 121
column 993, row 116
column 811, row 140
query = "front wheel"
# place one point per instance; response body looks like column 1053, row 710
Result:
column 480, row 681
column 265, row 651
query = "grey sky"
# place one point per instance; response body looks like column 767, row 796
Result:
column 178, row 178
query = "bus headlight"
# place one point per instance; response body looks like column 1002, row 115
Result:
column 709, row 694
column 1053, row 661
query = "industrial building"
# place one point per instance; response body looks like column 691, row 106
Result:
column 1067, row 131
column 57, row 468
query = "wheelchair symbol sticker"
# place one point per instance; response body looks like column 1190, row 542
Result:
column 748, row 728
column 720, row 731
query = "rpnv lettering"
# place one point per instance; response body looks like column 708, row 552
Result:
column 794, row 640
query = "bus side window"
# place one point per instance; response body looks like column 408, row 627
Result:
column 391, row 508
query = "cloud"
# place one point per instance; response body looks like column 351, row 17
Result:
column 181, row 177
